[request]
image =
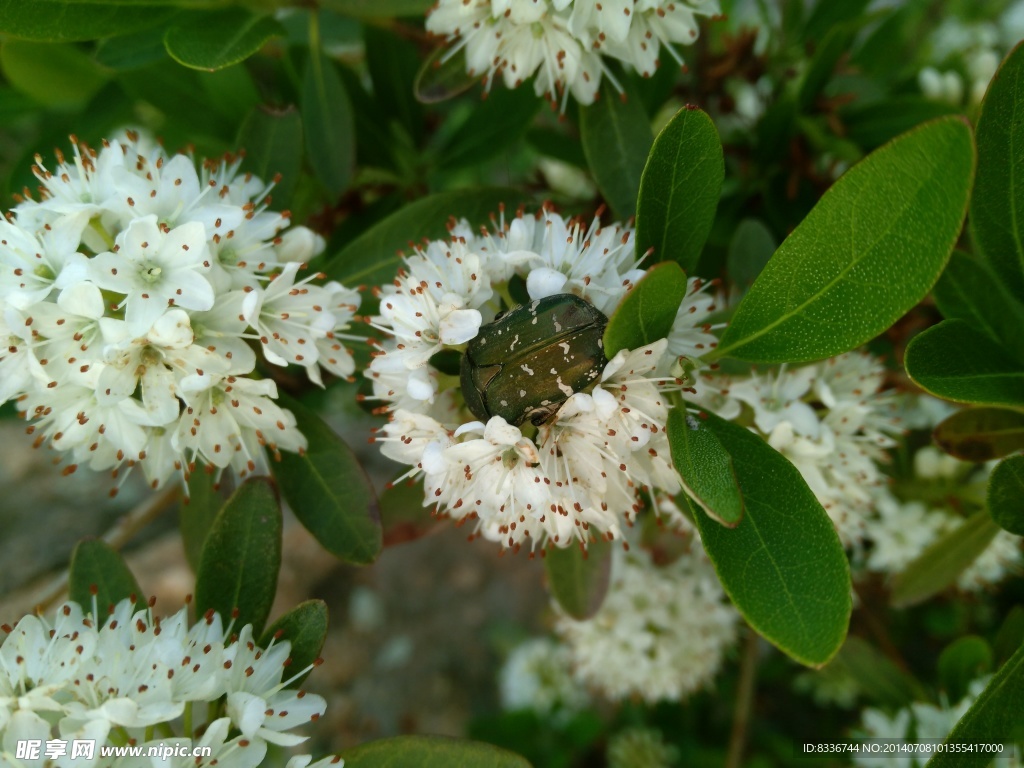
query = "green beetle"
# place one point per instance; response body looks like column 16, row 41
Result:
column 532, row 358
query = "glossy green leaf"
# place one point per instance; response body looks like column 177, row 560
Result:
column 616, row 139
column 981, row 434
column 783, row 565
column 679, row 189
column 869, row 251
column 646, row 313
column 750, row 249
column 997, row 208
column 98, row 570
column 329, row 125
column 272, row 141
column 430, row 752
column 219, row 39
column 962, row 662
column 58, row 21
column 994, row 718
column 704, row 467
column 53, row 74
column 329, row 491
column 242, row 556
column 197, row 513
column 305, row 628
column 492, row 128
column 954, row 361
column 443, row 76
column 969, row 290
column 1006, row 495
column 379, row 9
column 579, row 580
column 939, row 566
column 374, row 256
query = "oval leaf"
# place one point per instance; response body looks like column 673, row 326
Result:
column 969, row 290
column 981, row 434
column 939, row 566
column 97, row 569
column 869, row 251
column 1006, row 495
column 219, row 39
column 997, row 208
column 994, row 718
column 579, row 580
column 56, row 21
column 305, row 627
column 783, row 565
column 242, row 556
column 679, row 189
column 374, row 256
column 430, row 752
column 705, row 467
column 954, row 361
column 750, row 249
column 646, row 313
column 272, row 140
column 616, row 138
column 962, row 662
column 330, row 128
column 329, row 492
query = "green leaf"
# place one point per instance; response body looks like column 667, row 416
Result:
column 374, row 256
column 378, row 9
column 53, row 74
column 783, row 565
column 491, row 129
column 273, row 145
column 939, row 566
column 705, row 467
column 981, row 434
column 871, row 125
column 994, row 718
column 242, row 556
column 876, row 676
column 132, row 51
column 834, row 43
column 828, row 14
column 616, row 139
column 329, row 125
column 954, row 361
column 393, row 63
column 1006, row 495
column 750, row 249
column 579, row 580
column 679, row 189
column 997, row 208
column 869, row 251
column 646, row 313
column 430, row 752
column 1010, row 635
column 231, row 91
column 57, row 21
column 962, row 662
column 97, row 569
column 329, row 492
column 219, row 39
column 969, row 290
column 443, row 76
column 305, row 627
column 196, row 514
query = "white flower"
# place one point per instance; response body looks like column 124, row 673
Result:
column 129, row 294
column 560, row 42
column 537, row 676
column 778, row 397
column 661, row 632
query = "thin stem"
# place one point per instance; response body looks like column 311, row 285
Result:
column 744, row 701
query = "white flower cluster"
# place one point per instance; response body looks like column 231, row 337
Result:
column 580, row 475
column 562, row 41
column 537, row 676
column 639, row 747
column 661, row 632
column 919, row 722
column 114, row 684
column 965, row 56
column 129, row 294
